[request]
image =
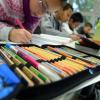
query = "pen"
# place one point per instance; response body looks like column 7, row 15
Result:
column 21, row 26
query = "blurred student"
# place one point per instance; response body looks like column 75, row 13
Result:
column 51, row 23
column 29, row 12
column 70, row 27
column 85, row 30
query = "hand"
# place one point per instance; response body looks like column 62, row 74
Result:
column 75, row 37
column 20, row 36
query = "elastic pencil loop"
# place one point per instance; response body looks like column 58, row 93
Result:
column 63, row 57
column 86, row 56
column 56, row 60
column 74, row 57
column 52, row 61
column 27, row 64
column 13, row 67
column 20, row 66
column 40, row 60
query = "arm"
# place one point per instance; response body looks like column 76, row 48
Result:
column 4, row 31
column 51, row 31
column 71, row 34
column 8, row 32
column 47, row 27
column 65, row 28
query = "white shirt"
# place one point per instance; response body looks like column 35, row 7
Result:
column 65, row 28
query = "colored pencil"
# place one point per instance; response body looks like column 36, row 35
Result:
column 70, row 57
column 21, row 74
column 41, row 68
column 6, row 58
column 28, row 65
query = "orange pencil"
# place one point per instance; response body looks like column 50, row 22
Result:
column 71, row 71
column 48, row 55
column 74, row 64
column 68, row 66
column 71, row 66
column 42, row 55
column 70, row 57
column 63, row 69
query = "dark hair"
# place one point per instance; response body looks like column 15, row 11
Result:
column 63, row 2
column 68, row 6
column 88, row 24
column 77, row 17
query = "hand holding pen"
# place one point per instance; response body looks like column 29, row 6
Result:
column 20, row 35
column 74, row 37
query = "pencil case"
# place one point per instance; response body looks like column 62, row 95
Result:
column 89, row 46
column 92, row 51
column 89, row 43
column 54, row 89
column 75, row 52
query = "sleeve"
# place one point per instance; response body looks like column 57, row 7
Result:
column 65, row 28
column 4, row 31
column 76, row 32
column 47, row 27
column 46, row 21
column 79, row 30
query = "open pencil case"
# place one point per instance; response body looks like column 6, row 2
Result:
column 54, row 89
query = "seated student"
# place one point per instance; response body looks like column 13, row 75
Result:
column 51, row 23
column 28, row 12
column 70, row 27
column 85, row 30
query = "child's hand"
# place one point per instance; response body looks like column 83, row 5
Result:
column 20, row 36
column 75, row 37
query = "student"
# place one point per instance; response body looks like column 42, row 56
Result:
column 85, row 30
column 51, row 23
column 70, row 27
column 28, row 12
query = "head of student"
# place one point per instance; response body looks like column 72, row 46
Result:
column 40, row 7
column 87, row 28
column 75, row 20
column 64, row 13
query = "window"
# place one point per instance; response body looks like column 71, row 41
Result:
column 89, row 8
column 82, row 5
